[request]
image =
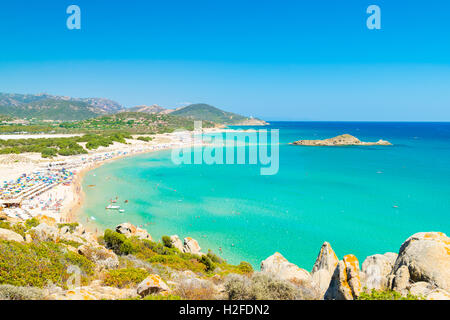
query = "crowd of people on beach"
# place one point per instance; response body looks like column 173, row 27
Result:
column 50, row 188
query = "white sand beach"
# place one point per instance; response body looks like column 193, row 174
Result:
column 34, row 186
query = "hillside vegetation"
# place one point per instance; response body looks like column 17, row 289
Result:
column 50, row 107
column 208, row 113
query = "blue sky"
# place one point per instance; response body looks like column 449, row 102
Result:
column 292, row 60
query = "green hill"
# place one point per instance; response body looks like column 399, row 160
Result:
column 49, row 107
column 206, row 112
column 133, row 122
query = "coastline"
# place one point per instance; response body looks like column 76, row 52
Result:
column 70, row 213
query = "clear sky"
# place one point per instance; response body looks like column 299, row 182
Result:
column 275, row 59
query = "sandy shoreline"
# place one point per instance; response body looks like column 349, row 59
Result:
column 63, row 201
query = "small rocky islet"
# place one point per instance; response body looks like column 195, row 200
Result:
column 421, row 268
column 340, row 141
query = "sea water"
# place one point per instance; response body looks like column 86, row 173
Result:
column 361, row 199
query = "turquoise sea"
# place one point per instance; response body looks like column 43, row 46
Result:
column 363, row 200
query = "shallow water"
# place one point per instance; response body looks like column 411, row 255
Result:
column 343, row 195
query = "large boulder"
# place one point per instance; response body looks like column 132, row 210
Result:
column 278, row 265
column 93, row 292
column 324, row 267
column 130, row 230
column 176, row 242
column 127, row 229
column 427, row 258
column 376, row 270
column 345, row 283
column 191, row 246
column 153, row 284
column 101, row 256
column 428, row 291
column 400, row 280
column 391, row 256
column 44, row 232
column 9, row 235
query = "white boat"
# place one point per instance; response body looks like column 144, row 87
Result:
column 121, row 210
column 113, row 207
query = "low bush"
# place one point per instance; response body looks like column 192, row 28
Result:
column 167, row 242
column 9, row 292
column 146, row 139
column 161, row 297
column 124, row 278
column 31, row 223
column 118, row 243
column 259, row 287
column 387, row 295
column 36, row 264
column 196, row 289
column 71, row 226
column 178, row 263
column 210, row 266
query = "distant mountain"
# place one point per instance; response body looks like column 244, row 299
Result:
column 147, row 109
column 206, row 112
column 50, row 107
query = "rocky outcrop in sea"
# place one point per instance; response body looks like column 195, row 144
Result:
column 342, row 140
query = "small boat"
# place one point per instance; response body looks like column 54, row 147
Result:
column 121, row 210
column 395, row 207
column 113, row 207
column 126, row 201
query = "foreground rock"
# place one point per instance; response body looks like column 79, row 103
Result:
column 93, row 293
column 9, row 235
column 324, row 267
column 191, row 246
column 102, row 257
column 278, row 265
column 130, row 230
column 424, row 257
column 153, row 284
column 345, row 283
column 376, row 270
column 342, row 140
column 44, row 232
column 176, row 242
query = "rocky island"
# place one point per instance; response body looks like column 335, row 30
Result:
column 342, row 140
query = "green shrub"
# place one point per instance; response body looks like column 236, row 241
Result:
column 19, row 228
column 178, row 263
column 167, row 242
column 31, row 223
column 124, row 278
column 5, row 225
column 387, row 295
column 245, row 267
column 215, row 258
column 210, row 266
column 49, row 153
column 161, row 297
column 118, row 243
column 74, row 244
column 35, row 264
column 156, row 247
column 9, row 292
column 71, row 226
column 146, row 139
column 259, row 287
